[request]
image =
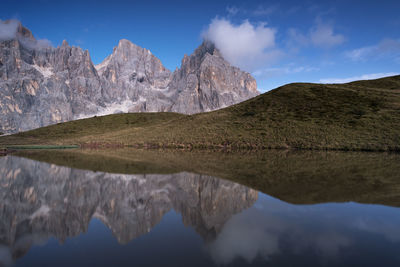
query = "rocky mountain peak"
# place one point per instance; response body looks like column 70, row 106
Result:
column 208, row 82
column 126, row 44
column 125, row 47
column 64, row 43
column 134, row 63
column 128, row 51
column 204, row 48
column 16, row 29
column 24, row 32
column 42, row 85
column 195, row 59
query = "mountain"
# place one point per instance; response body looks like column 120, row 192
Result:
column 134, row 77
column 363, row 115
column 207, row 82
column 41, row 85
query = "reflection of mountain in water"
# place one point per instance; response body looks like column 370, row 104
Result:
column 39, row 200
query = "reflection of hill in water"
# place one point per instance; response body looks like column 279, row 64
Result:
column 39, row 200
column 300, row 177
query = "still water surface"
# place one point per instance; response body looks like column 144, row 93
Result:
column 53, row 215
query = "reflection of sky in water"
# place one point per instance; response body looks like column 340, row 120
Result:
column 181, row 219
column 328, row 233
column 271, row 232
column 165, row 243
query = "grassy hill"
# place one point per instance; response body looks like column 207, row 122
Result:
column 363, row 115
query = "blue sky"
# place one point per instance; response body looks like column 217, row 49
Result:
column 277, row 41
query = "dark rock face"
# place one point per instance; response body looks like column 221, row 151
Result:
column 40, row 200
column 42, row 85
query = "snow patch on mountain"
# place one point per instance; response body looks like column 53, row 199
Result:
column 46, row 72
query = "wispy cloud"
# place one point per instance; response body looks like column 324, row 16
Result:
column 9, row 30
column 35, row 44
column 321, row 34
column 296, row 39
column 79, row 41
column 292, row 10
column 232, row 10
column 275, row 72
column 264, row 11
column 259, row 11
column 248, row 46
column 384, row 49
column 361, row 77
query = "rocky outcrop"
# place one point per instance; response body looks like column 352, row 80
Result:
column 40, row 200
column 207, row 82
column 42, row 85
column 135, row 79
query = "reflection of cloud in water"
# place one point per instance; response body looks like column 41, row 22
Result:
column 388, row 229
column 247, row 238
column 275, row 228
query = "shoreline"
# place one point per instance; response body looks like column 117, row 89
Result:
column 7, row 149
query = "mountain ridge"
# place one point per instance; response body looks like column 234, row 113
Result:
column 363, row 116
column 42, row 85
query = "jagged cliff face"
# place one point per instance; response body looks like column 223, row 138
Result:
column 40, row 200
column 135, row 78
column 207, row 82
column 42, row 85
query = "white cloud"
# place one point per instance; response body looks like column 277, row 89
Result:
column 361, row 77
column 246, row 45
column 385, row 48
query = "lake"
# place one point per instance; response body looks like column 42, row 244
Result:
column 156, row 208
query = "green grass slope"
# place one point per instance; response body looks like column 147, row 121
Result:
column 363, row 115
